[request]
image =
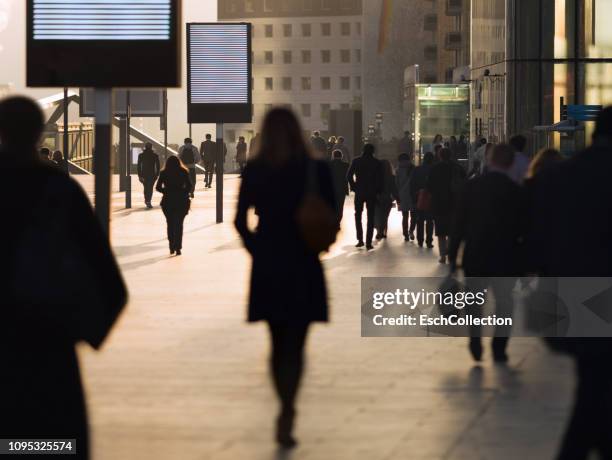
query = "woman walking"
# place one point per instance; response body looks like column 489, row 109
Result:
column 287, row 283
column 407, row 205
column 175, row 185
column 386, row 198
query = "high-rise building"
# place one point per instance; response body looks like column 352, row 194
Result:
column 307, row 55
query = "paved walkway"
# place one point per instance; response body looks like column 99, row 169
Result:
column 184, row 377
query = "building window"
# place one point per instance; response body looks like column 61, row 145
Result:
column 358, row 28
column 287, row 30
column 269, row 84
column 345, row 29
column 325, row 56
column 326, row 29
column 287, row 83
column 306, row 56
column 345, row 83
column 358, row 55
column 306, row 30
column 306, row 83
column 358, row 83
column 325, row 83
column 268, row 57
column 269, row 30
column 345, row 56
column 306, row 110
column 287, row 57
column 430, row 22
column 430, row 53
column 325, row 108
column 345, row 106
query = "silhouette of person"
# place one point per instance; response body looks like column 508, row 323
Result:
column 190, row 157
column 418, row 185
column 318, row 144
column 339, row 169
column 50, row 226
column 58, row 159
column 365, row 179
column 254, row 145
column 209, row 155
column 241, row 153
column 407, row 205
column 405, row 144
column 490, row 221
column 287, row 282
column 174, row 185
column 388, row 194
column 580, row 212
column 340, row 145
column 148, row 172
column 45, row 156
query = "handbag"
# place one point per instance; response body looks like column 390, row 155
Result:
column 423, row 200
column 317, row 221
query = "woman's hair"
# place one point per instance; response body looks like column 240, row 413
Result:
column 428, row 159
column 174, row 165
column 544, row 159
column 57, row 156
column 438, row 138
column 281, row 138
column 332, row 140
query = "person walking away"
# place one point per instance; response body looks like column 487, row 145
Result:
column 190, row 157
column 254, row 145
column 50, row 228
column 477, row 161
column 339, row 169
column 570, row 203
column 318, row 144
column 148, row 172
column 405, row 145
column 209, row 155
column 445, row 181
column 330, row 147
column 174, row 185
column 386, row 198
column 44, row 155
column 521, row 161
column 544, row 159
column 365, row 179
column 462, row 149
column 58, row 159
column 340, row 145
column 287, row 287
column 418, row 186
column 490, row 223
column 407, row 205
column 241, row 153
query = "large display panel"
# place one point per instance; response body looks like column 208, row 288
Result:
column 143, row 102
column 219, row 73
column 103, row 43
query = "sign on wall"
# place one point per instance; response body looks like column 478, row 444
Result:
column 219, row 73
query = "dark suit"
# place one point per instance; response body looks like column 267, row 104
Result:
column 148, row 172
column 339, row 170
column 572, row 236
column 208, row 150
column 365, row 179
column 175, row 204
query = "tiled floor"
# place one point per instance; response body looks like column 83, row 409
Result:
column 184, row 377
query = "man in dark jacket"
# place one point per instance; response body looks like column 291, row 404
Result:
column 489, row 220
column 148, row 172
column 339, row 169
column 208, row 150
column 319, row 144
column 571, row 202
column 365, row 179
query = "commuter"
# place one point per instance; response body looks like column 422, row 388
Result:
column 340, row 145
column 521, row 161
column 331, row 142
column 445, row 182
column 318, row 144
column 174, row 185
column 387, row 196
column 287, row 284
column 489, row 221
column 241, row 153
column 365, row 179
column 462, row 148
column 405, row 144
column 570, row 203
column 190, row 157
column 453, row 145
column 59, row 161
column 254, row 145
column 148, row 172
column 48, row 228
column 339, row 169
column 45, row 156
column 418, row 187
column 478, row 158
column 407, row 205
column 208, row 149
column 543, row 160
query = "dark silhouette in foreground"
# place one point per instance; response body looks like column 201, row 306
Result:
column 148, row 172
column 175, row 184
column 76, row 295
column 571, row 203
column 287, row 284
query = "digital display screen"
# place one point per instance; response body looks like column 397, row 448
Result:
column 219, row 72
column 101, row 19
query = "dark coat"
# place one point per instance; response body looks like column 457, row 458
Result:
column 287, row 281
column 241, row 152
column 490, row 220
column 148, row 165
column 418, row 181
column 365, row 177
column 40, row 390
column 403, row 180
column 175, row 189
column 208, row 150
column 441, row 184
column 339, row 170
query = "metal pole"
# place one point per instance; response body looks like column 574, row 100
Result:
column 65, row 146
column 219, row 171
column 102, row 155
column 190, row 135
column 128, row 156
column 165, row 125
column 123, row 151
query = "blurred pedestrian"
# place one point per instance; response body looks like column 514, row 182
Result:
column 405, row 144
column 407, row 205
column 340, row 145
column 521, row 160
column 59, row 161
column 318, row 144
column 190, row 157
column 386, row 197
column 148, row 171
column 543, row 160
column 339, row 169
column 208, row 149
column 331, row 142
column 418, row 189
column 287, row 283
column 241, row 153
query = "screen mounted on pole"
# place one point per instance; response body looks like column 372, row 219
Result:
column 219, row 73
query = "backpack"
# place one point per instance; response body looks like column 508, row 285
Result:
column 188, row 156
